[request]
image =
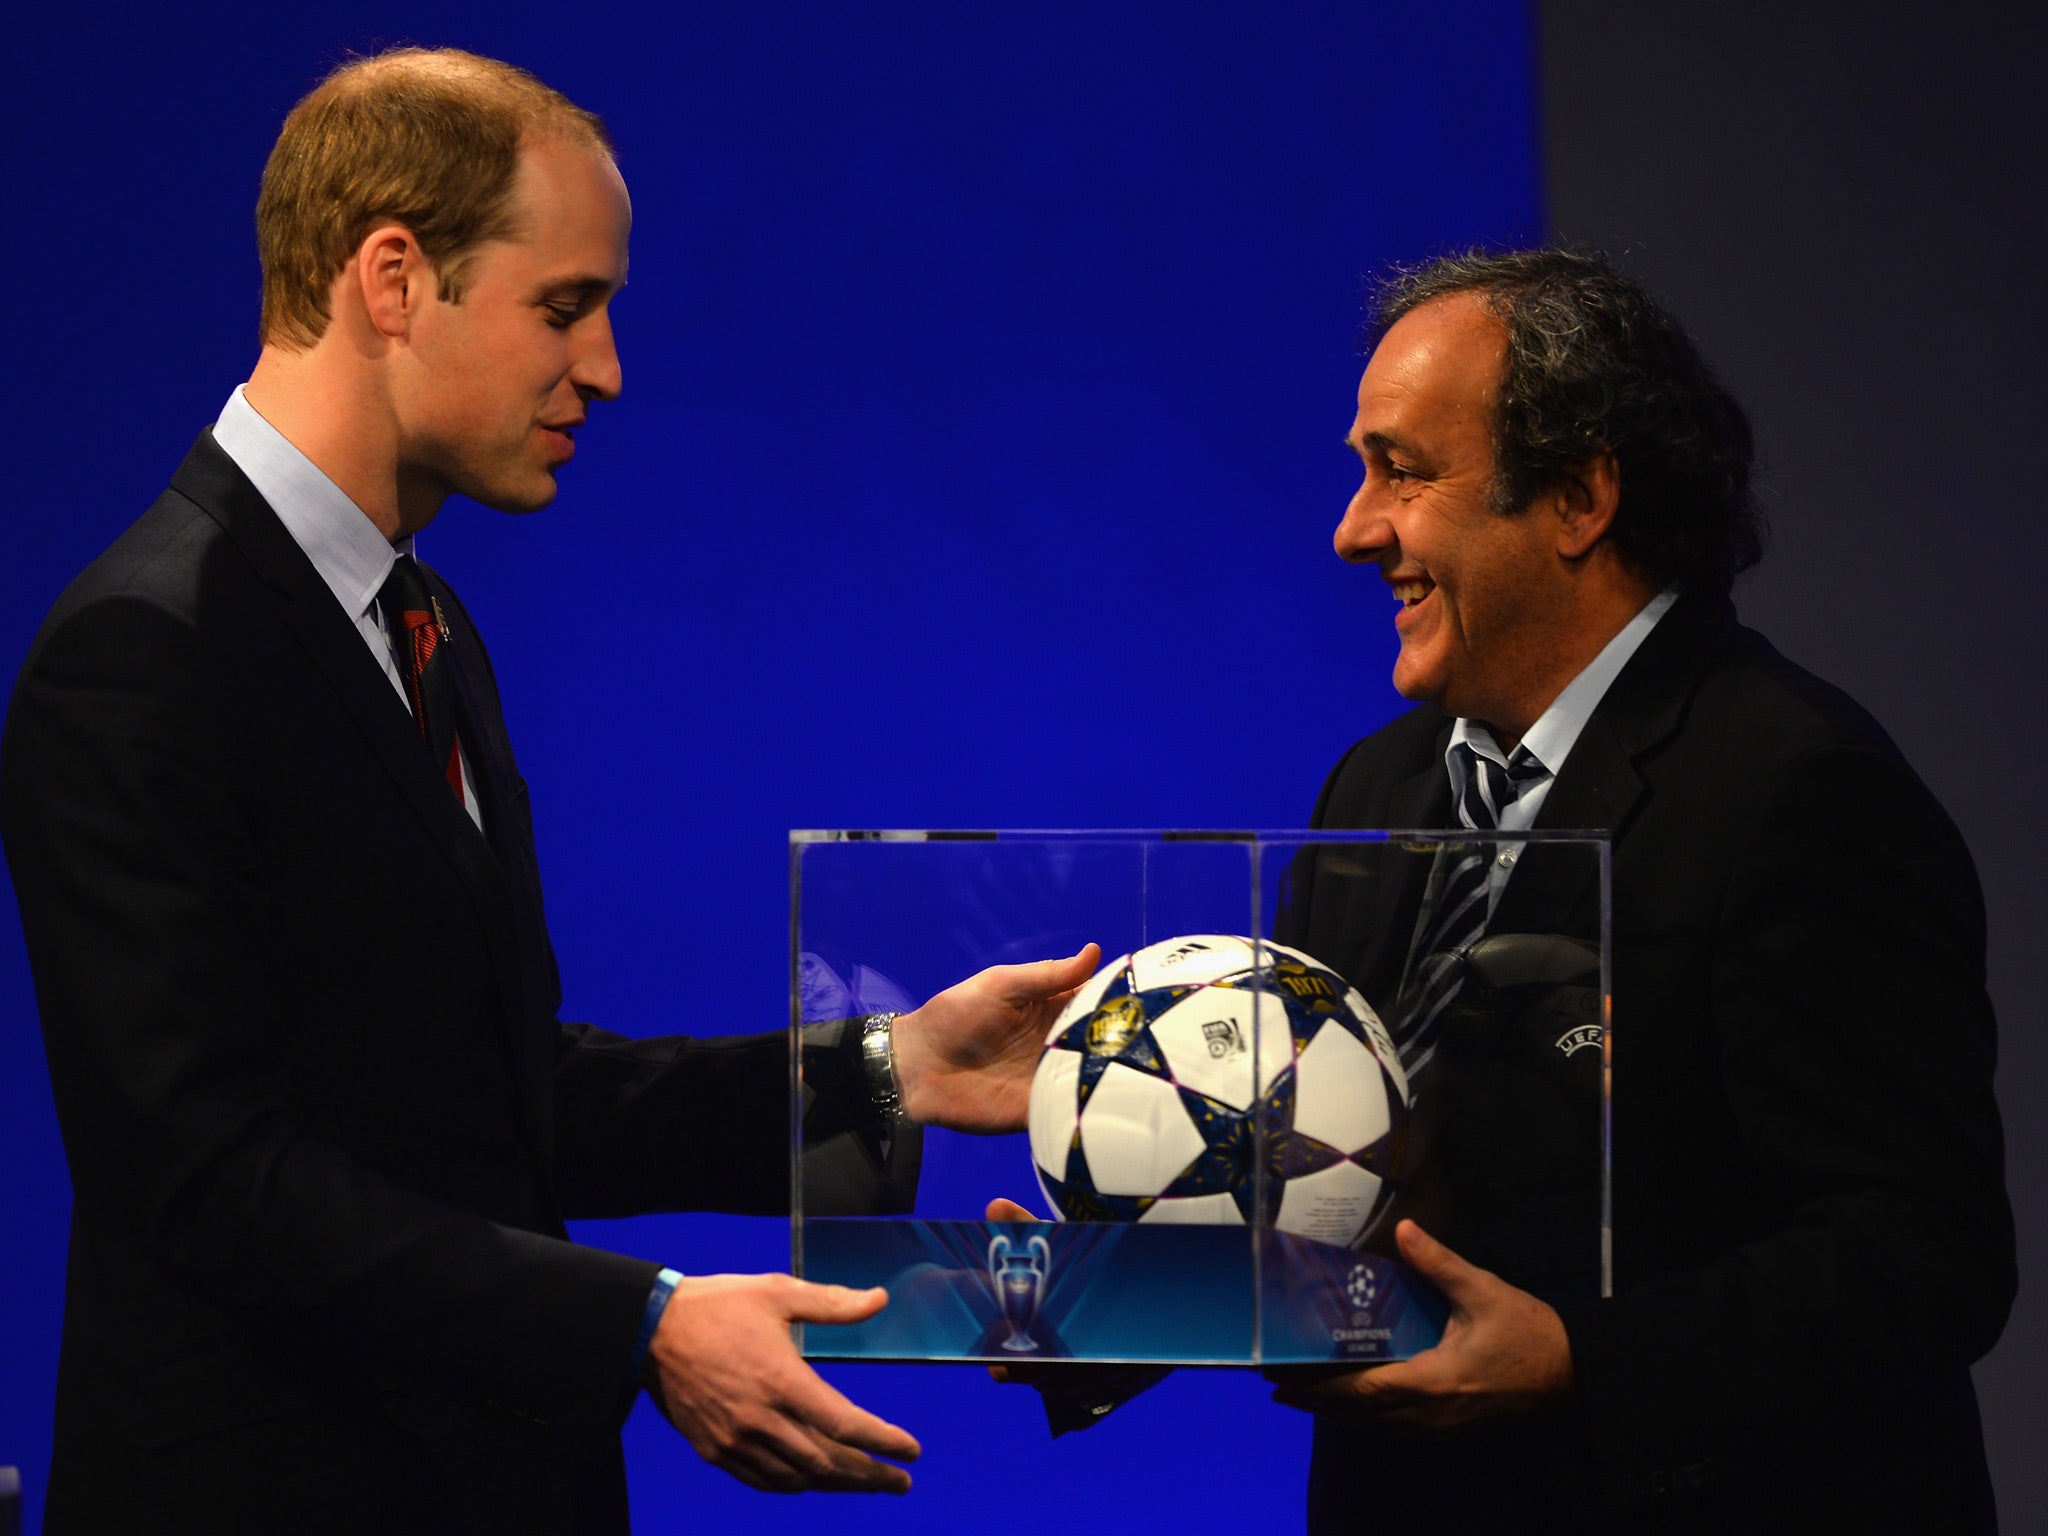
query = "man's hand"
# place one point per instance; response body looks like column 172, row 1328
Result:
column 723, row 1369
column 1504, row 1354
column 965, row 1059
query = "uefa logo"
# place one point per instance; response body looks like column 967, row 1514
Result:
column 1573, row 1041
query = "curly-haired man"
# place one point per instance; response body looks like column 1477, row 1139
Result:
column 1811, row 1239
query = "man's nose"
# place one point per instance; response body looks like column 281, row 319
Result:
column 596, row 373
column 1362, row 534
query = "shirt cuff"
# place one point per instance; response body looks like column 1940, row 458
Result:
column 665, row 1285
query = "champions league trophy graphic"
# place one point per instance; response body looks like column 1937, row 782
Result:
column 1019, row 1275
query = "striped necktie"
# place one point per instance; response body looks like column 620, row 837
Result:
column 1458, row 913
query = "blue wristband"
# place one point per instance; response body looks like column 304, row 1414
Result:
column 665, row 1285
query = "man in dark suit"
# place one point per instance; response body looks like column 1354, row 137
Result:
column 277, row 877
column 1811, row 1236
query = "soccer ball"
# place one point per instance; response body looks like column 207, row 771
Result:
column 1170, row 1067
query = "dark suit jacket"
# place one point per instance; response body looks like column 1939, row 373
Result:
column 1811, row 1236
column 323, row 1124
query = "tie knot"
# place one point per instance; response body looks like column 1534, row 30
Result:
column 1488, row 789
column 404, row 587
column 407, row 604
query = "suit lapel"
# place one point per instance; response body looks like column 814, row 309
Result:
column 306, row 610
column 1600, row 788
column 500, row 789
column 1381, row 884
column 511, row 847
column 1423, row 800
column 1553, row 883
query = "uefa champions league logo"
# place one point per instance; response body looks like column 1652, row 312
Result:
column 1363, row 1338
column 1362, row 1287
column 1019, row 1274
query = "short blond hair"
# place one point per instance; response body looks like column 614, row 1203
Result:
column 425, row 138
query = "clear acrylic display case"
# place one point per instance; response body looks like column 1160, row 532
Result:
column 1222, row 1235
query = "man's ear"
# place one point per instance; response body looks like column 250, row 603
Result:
column 1586, row 497
column 392, row 279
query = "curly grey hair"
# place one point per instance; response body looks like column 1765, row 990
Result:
column 1595, row 364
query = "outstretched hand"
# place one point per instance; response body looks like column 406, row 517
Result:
column 723, row 1369
column 965, row 1059
column 1504, row 1354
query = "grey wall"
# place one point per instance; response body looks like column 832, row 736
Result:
column 1845, row 203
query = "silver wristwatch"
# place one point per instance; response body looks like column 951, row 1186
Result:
column 878, row 1061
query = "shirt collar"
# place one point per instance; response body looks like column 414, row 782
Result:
column 352, row 557
column 1556, row 731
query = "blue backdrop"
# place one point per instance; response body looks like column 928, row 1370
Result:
column 986, row 371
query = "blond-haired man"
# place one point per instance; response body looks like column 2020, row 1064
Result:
column 277, row 878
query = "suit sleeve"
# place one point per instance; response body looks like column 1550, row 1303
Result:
column 674, row 1123
column 1854, row 1041
column 142, row 886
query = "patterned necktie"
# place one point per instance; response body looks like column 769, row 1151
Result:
column 1457, row 918
column 418, row 635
